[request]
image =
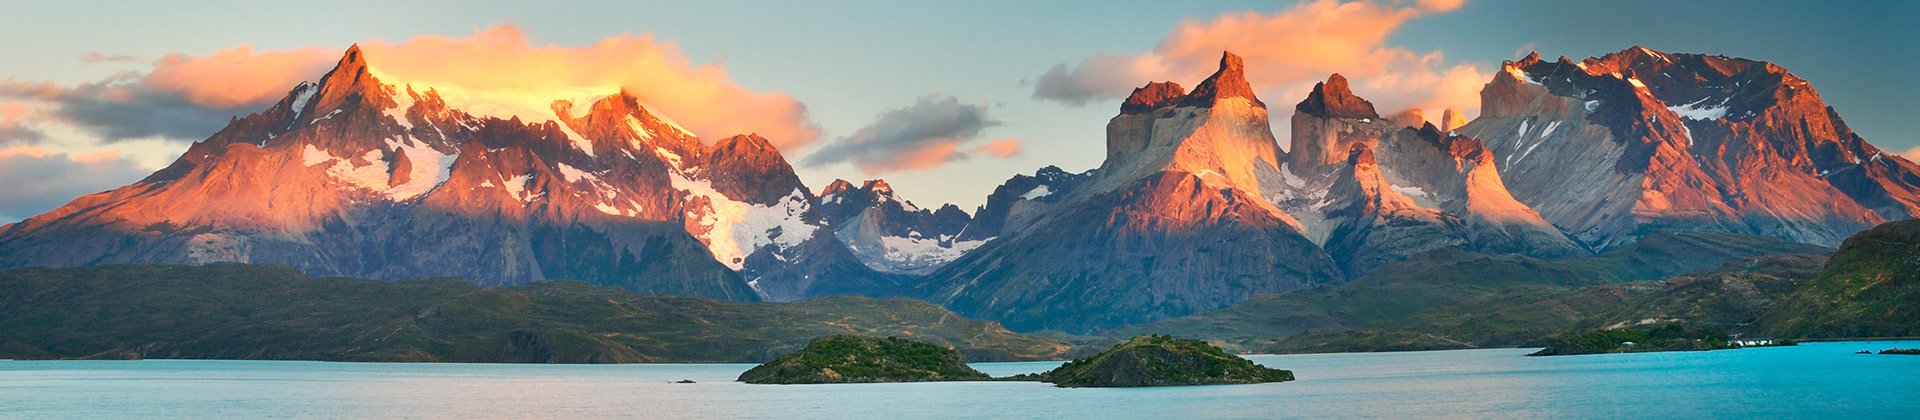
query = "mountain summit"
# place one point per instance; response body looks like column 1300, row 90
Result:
column 1332, row 99
column 1172, row 223
column 355, row 177
column 1229, row 82
column 1195, row 206
column 1639, row 140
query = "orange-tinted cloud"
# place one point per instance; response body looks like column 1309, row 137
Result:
column 498, row 71
column 1002, row 148
column 1912, row 154
column 238, row 76
column 183, row 97
column 1285, row 53
column 13, row 127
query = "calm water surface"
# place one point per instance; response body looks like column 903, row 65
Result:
column 1815, row 379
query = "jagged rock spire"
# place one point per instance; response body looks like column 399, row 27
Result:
column 878, row 186
column 1152, row 96
column 1452, row 119
column 836, row 187
column 349, row 83
column 1333, row 99
column 1230, row 81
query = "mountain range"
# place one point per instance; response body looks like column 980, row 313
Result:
column 1196, row 207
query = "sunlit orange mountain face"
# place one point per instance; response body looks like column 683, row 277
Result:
column 399, row 163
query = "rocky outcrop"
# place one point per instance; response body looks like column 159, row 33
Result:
column 1167, row 246
column 1333, row 99
column 1228, row 82
column 1152, row 96
column 749, row 167
column 892, row 235
column 1378, row 224
column 1396, row 191
column 1020, row 200
column 1172, row 223
column 839, row 359
column 1328, row 124
column 1162, row 361
column 1459, row 177
column 1452, row 120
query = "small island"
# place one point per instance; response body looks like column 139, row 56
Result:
column 1158, row 360
column 1901, row 351
column 1664, row 338
column 1148, row 360
column 838, row 359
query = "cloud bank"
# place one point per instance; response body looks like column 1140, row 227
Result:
column 496, row 70
column 38, row 181
column 923, row 135
column 1285, row 53
column 13, row 127
column 182, row 98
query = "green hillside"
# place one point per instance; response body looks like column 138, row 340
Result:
column 270, row 312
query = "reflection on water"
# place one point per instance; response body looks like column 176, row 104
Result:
column 1769, row 382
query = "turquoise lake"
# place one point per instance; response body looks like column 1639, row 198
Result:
column 1810, row 380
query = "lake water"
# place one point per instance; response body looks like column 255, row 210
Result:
column 1814, row 379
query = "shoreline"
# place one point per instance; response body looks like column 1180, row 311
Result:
column 1828, row 340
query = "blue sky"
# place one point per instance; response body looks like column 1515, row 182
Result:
column 849, row 62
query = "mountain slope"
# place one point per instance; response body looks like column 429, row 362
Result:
column 1170, row 224
column 353, row 176
column 1372, row 191
column 239, row 311
column 1869, row 288
column 1465, row 298
column 1612, row 147
column 893, row 235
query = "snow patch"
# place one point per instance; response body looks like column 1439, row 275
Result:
column 372, row 176
column 573, row 174
column 329, row 116
column 1549, row 130
column 313, row 156
column 924, row 252
column 429, row 168
column 399, row 113
column 668, row 121
column 673, row 159
column 717, row 220
column 1409, row 191
column 1700, row 112
column 301, row 95
column 761, row 224
column 1036, row 193
column 641, row 135
column 517, row 187
column 579, row 141
column 607, row 208
column 421, row 176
